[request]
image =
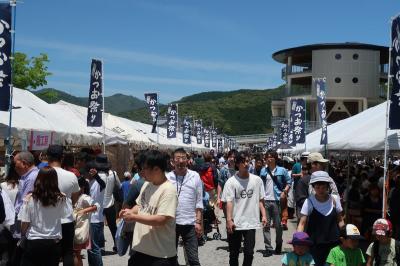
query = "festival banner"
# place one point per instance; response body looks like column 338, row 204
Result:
column 394, row 114
column 199, row 131
column 269, row 143
column 220, row 147
column 152, row 103
column 95, row 101
column 5, row 54
column 206, row 133
column 321, row 100
column 298, row 113
column 172, row 121
column 187, row 131
column 274, row 141
column 291, row 138
column 284, row 132
column 214, row 137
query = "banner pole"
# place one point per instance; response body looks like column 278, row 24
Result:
column 190, row 136
column 387, row 125
column 158, row 114
column 104, row 109
column 305, row 124
column 9, row 147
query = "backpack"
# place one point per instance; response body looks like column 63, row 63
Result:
column 209, row 178
column 377, row 257
column 2, row 208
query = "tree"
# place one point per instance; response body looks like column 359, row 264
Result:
column 30, row 72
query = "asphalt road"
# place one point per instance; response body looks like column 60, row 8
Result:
column 214, row 252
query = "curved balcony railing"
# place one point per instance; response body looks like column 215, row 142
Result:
column 295, row 70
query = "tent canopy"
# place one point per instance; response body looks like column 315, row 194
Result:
column 362, row 132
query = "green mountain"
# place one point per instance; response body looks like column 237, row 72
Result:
column 237, row 112
column 115, row 104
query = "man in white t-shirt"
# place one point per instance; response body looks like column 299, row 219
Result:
column 244, row 197
column 189, row 213
column 68, row 184
column 154, row 214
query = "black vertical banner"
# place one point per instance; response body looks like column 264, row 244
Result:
column 321, row 100
column 274, row 141
column 206, row 132
column 95, row 101
column 284, row 132
column 172, row 121
column 291, row 138
column 214, row 137
column 269, row 143
column 298, row 114
column 199, row 131
column 394, row 114
column 220, row 147
column 5, row 54
column 186, row 134
column 152, row 103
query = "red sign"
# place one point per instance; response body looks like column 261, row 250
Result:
column 40, row 140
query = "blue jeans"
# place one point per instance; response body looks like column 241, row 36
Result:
column 273, row 210
column 94, row 254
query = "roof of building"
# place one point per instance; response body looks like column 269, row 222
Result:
column 303, row 54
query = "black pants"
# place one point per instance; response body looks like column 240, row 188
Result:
column 41, row 252
column 111, row 218
column 190, row 243
column 67, row 244
column 235, row 240
column 140, row 259
column 320, row 253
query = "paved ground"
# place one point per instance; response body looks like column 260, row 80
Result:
column 214, row 252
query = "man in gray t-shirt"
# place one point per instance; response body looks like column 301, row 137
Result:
column 244, row 197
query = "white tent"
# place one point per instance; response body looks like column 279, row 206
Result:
column 362, row 132
column 130, row 131
column 68, row 122
column 116, row 129
column 32, row 113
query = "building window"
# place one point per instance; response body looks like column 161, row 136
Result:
column 355, row 56
column 338, row 80
column 338, row 56
column 355, row 80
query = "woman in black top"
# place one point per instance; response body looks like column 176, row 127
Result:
column 321, row 217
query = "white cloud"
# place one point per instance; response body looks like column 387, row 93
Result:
column 152, row 59
column 163, row 80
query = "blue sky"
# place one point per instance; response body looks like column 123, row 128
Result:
column 178, row 48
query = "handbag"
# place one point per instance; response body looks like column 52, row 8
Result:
column 82, row 225
column 123, row 236
column 117, row 192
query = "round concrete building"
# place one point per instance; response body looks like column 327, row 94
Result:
column 355, row 75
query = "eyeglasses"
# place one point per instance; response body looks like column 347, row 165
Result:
column 183, row 158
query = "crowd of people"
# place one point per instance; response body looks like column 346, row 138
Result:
column 54, row 207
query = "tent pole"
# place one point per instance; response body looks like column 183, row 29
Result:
column 386, row 128
column 346, row 208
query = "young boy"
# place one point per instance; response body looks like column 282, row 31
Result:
column 299, row 256
column 385, row 251
column 347, row 253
